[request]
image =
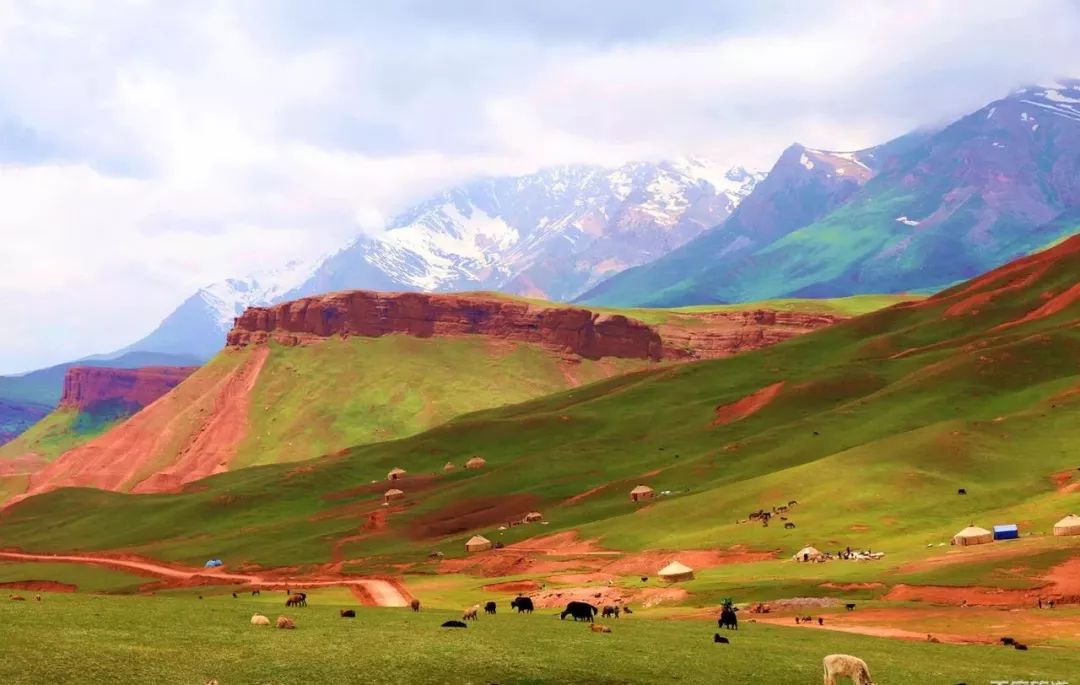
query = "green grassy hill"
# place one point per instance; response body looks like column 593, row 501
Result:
column 879, row 421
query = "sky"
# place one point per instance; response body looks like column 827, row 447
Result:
column 150, row 148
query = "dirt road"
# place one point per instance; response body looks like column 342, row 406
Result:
column 382, row 592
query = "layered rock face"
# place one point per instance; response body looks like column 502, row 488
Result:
column 572, row 330
column 92, row 389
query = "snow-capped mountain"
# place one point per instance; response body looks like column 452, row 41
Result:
column 199, row 324
column 553, row 234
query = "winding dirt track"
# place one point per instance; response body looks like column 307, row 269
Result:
column 382, row 592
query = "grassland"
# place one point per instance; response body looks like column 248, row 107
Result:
column 81, row 577
column 318, row 399
column 55, row 434
column 182, row 640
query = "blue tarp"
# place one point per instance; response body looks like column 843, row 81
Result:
column 1008, row 531
column 213, row 563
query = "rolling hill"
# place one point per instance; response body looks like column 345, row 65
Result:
column 317, row 375
column 918, row 214
column 872, row 425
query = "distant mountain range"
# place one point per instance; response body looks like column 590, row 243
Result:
column 553, row 235
column 920, row 213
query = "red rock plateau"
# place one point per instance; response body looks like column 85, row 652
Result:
column 88, row 387
column 566, row 329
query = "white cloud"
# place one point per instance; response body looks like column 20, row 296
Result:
column 179, row 143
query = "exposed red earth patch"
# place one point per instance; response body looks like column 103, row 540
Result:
column 40, row 586
column 972, row 303
column 215, row 445
column 1061, row 480
column 472, row 514
column 588, row 493
column 22, row 464
column 747, row 406
column 648, row 563
column 564, row 543
column 1056, row 304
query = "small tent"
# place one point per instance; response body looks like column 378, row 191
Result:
column 533, row 517
column 477, row 543
column 973, row 535
column 1070, row 525
column 393, row 493
column 641, row 492
column 1006, row 531
column 449, row 467
column 475, row 463
column 396, row 473
column 674, row 572
column 808, row 553
column 213, row 563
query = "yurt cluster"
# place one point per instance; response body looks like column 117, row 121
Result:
column 974, row 535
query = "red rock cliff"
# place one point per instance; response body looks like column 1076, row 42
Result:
column 90, row 387
column 568, row 329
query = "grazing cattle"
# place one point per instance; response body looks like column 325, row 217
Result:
column 644, row 579
column 470, row 614
column 717, row 637
column 789, row 525
column 285, row 623
column 522, row 604
column 791, row 503
column 259, row 620
column 37, row 598
column 807, row 619
column 961, row 491
column 347, row 613
column 489, row 608
column 931, row 638
column 1008, row 641
column 436, row 555
column 728, row 619
column 820, row 621
column 797, row 621
column 415, row 604
column 453, row 624
column 234, row 595
column 849, row 607
column 597, row 628
column 200, row 596
column 627, row 610
column 255, row 593
column 1020, row 646
column 297, row 600
column 16, row 598
column 843, row 665
column 610, row 611
column 580, row 611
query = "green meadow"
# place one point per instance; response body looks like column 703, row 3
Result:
column 182, row 640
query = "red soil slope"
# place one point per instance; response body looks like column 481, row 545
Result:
column 747, row 406
column 571, row 330
column 87, row 387
column 173, row 441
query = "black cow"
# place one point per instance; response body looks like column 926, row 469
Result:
column 454, row 624
column 1021, row 647
column 610, row 611
column 717, row 637
column 580, row 611
column 728, row 619
column 961, row 491
column 1008, row 641
column 255, row 593
column 522, row 604
column 489, row 608
column 849, row 607
column 347, row 613
column 627, row 610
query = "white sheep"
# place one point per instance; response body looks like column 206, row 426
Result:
column 259, row 620
column 843, row 665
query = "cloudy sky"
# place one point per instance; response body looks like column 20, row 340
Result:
column 149, row 148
